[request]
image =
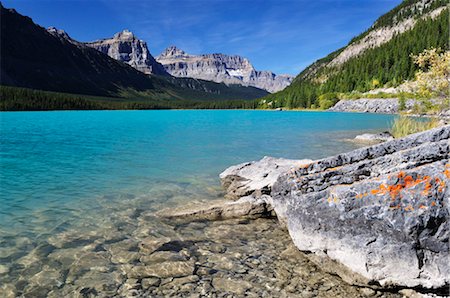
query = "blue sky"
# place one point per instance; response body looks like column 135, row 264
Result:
column 284, row 36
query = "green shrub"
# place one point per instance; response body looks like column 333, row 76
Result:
column 401, row 102
column 327, row 100
column 404, row 125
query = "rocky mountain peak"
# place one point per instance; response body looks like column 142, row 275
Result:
column 61, row 34
column 124, row 35
column 172, row 51
column 221, row 68
column 126, row 47
column 57, row 32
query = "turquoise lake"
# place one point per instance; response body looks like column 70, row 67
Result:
column 79, row 170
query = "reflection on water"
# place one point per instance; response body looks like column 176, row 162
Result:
column 79, row 191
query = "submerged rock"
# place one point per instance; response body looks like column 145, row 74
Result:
column 221, row 209
column 375, row 216
column 375, row 137
column 236, row 286
column 162, row 270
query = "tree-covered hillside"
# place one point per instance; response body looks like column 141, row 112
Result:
column 387, row 65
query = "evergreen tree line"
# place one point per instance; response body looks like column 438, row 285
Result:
column 23, row 99
column 387, row 65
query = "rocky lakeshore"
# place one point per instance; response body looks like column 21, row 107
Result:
column 383, row 106
column 371, row 105
column 377, row 216
column 369, row 223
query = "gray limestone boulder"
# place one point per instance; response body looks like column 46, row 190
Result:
column 380, row 211
column 377, row 216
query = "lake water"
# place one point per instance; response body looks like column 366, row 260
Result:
column 68, row 174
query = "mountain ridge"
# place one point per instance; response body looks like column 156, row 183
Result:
column 218, row 67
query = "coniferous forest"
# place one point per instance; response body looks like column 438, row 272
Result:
column 24, row 99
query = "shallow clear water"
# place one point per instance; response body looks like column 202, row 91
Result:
column 81, row 171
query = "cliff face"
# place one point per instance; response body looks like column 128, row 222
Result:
column 127, row 48
column 229, row 69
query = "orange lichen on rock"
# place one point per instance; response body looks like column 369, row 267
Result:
column 447, row 173
column 409, row 208
column 406, row 181
column 405, row 186
column 409, row 181
column 441, row 186
column 375, row 191
column 394, row 190
column 427, row 188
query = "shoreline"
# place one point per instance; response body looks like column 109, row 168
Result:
column 278, row 187
column 229, row 249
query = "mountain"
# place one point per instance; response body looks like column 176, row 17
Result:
column 125, row 47
column 379, row 57
column 33, row 58
column 229, row 69
column 36, row 58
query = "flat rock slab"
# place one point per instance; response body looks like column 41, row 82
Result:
column 221, row 209
column 256, row 178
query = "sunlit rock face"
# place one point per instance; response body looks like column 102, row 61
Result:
column 221, row 68
column 126, row 47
